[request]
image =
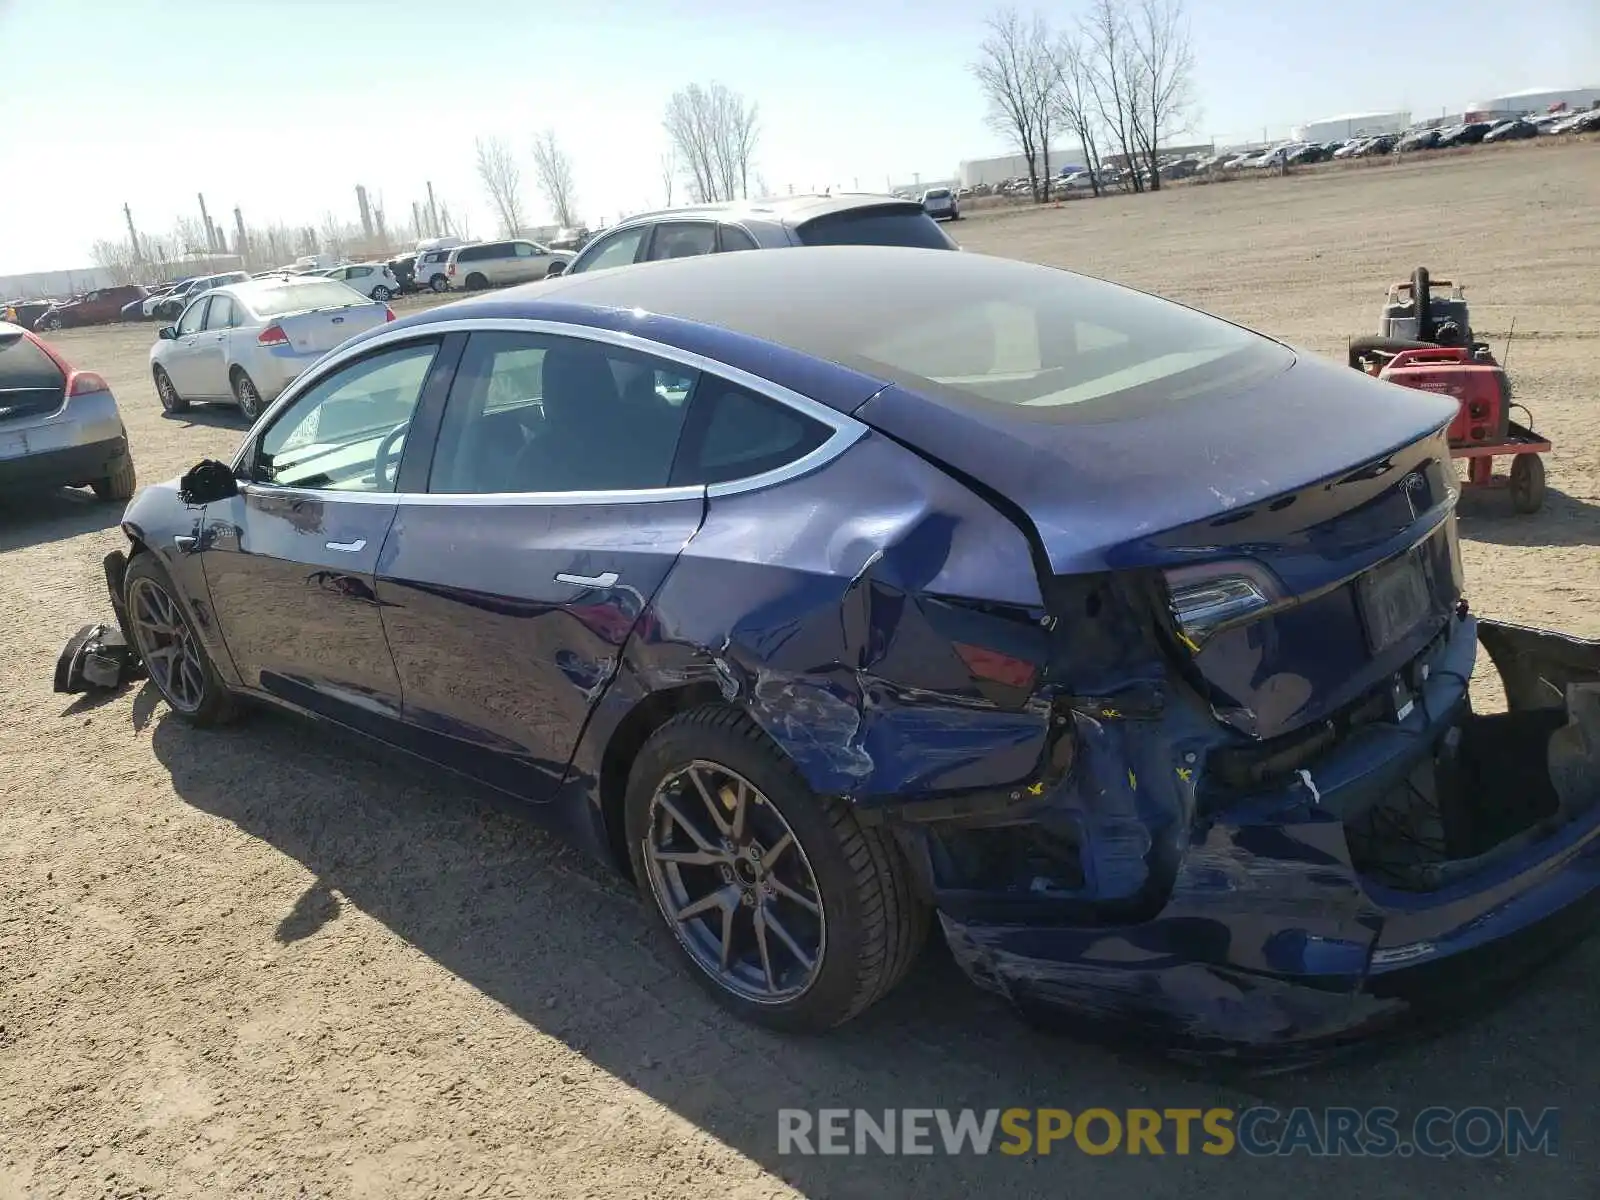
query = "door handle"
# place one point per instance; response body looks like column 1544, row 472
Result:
column 354, row 547
column 603, row 580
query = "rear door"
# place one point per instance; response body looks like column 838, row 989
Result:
column 290, row 561
column 682, row 239
column 508, row 589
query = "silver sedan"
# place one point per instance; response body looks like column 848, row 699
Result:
column 248, row 341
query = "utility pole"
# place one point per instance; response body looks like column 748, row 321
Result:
column 241, row 243
column 205, row 219
column 133, row 234
column 433, row 209
column 366, row 211
column 416, row 220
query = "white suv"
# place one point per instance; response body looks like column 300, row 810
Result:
column 373, row 280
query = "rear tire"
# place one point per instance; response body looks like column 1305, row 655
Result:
column 177, row 661
column 120, row 484
column 246, row 396
column 170, row 400
column 799, row 862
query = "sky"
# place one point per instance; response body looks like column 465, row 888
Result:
column 283, row 106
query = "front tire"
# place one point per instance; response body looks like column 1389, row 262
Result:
column 246, row 396
column 170, row 400
column 120, row 484
column 788, row 911
column 1527, row 483
column 50, row 324
column 170, row 649
column 381, row 294
column 438, row 284
column 477, row 282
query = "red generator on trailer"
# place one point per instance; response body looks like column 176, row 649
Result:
column 1425, row 342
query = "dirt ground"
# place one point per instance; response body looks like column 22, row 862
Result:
column 263, row 962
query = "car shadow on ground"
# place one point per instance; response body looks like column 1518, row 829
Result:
column 1487, row 516
column 564, row 945
column 34, row 518
column 213, row 416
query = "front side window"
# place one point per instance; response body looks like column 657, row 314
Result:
column 192, row 318
column 534, row 413
column 347, row 431
column 529, row 250
column 617, row 250
column 683, row 239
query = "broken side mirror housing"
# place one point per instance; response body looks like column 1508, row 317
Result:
column 167, row 332
column 207, row 482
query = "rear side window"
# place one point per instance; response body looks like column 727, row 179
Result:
column 24, row 366
column 895, row 225
column 734, row 434
column 683, row 239
column 734, row 238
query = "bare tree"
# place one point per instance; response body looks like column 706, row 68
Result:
column 1116, row 75
column 118, row 260
column 1164, row 61
column 713, row 133
column 497, row 168
column 554, row 171
column 1019, row 75
column 669, row 175
column 1074, row 100
column 1006, row 59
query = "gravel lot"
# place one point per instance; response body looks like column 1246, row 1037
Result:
column 263, row 962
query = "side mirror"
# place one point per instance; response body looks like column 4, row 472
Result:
column 556, row 268
column 167, row 332
column 206, row 482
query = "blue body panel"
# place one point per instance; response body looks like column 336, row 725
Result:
column 839, row 609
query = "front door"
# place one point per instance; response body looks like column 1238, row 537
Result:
column 290, row 562
column 510, row 587
column 210, row 359
column 182, row 362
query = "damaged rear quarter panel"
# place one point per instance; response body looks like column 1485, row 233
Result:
column 805, row 605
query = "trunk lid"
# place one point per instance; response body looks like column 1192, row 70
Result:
column 1333, row 493
column 320, row 329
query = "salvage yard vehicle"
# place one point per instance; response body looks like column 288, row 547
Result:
column 59, row 427
column 168, row 307
column 495, row 264
column 844, row 220
column 246, row 342
column 92, row 308
column 905, row 598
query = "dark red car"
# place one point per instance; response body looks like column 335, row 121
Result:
column 91, row 308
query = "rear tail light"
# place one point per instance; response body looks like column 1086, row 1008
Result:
column 1204, row 599
column 388, row 313
column 450, row 270
column 997, row 666
column 272, row 335
column 82, row 383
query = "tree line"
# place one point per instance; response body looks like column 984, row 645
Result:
column 1118, row 80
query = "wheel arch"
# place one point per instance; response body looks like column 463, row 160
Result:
column 647, row 715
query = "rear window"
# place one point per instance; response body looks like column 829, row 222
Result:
column 1050, row 340
column 23, row 365
column 278, row 299
column 896, row 225
column 938, row 194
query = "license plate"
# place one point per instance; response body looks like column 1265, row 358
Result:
column 1394, row 600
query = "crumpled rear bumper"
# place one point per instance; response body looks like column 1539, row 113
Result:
column 1273, row 947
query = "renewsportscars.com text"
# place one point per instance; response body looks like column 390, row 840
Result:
column 1436, row 1132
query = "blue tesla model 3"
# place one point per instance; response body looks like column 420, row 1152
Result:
column 838, row 594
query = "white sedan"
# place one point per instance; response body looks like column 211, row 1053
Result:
column 373, row 280
column 248, row 341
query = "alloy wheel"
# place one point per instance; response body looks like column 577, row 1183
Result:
column 249, row 399
column 167, row 645
column 735, row 884
column 166, row 392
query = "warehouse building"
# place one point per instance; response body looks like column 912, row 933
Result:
column 1351, row 125
column 1536, row 100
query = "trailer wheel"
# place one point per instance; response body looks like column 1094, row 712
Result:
column 1527, row 483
